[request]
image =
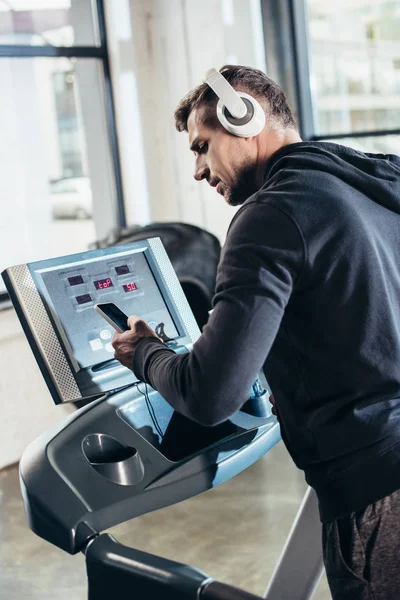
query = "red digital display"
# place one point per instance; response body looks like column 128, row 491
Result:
column 102, row 284
column 130, row 287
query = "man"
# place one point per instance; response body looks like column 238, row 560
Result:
column 308, row 286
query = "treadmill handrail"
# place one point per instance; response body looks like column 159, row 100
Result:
column 142, row 575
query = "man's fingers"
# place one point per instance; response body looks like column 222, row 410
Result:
column 135, row 322
column 140, row 327
column 116, row 339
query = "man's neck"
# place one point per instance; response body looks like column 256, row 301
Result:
column 271, row 141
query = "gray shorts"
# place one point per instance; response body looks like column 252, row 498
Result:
column 362, row 552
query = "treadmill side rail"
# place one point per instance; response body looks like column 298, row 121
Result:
column 215, row 590
column 300, row 566
column 112, row 567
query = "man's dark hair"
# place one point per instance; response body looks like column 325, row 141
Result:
column 243, row 79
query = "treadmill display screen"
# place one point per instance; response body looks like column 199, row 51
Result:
column 83, row 299
column 76, row 280
column 88, row 335
column 122, row 270
column 130, row 287
column 102, row 284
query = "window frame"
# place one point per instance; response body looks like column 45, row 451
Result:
column 95, row 52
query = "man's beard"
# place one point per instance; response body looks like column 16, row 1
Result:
column 244, row 187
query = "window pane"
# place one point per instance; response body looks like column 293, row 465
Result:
column 355, row 64
column 385, row 144
column 47, row 22
column 55, row 158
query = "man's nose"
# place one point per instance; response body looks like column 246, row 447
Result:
column 200, row 171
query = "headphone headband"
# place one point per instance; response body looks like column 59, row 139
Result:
column 238, row 113
column 226, row 93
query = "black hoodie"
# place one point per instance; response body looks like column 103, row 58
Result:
column 308, row 286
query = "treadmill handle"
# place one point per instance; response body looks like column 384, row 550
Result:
column 116, row 571
column 221, row 591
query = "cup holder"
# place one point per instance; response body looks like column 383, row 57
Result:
column 113, row 460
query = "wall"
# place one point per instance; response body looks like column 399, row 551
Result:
column 160, row 50
column 27, row 408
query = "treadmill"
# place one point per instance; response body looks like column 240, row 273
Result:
column 126, row 452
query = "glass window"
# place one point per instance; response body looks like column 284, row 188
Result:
column 47, row 22
column 385, row 144
column 54, row 150
column 355, row 64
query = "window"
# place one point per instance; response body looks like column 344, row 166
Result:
column 48, row 22
column 385, row 144
column 60, row 183
column 354, row 57
column 339, row 64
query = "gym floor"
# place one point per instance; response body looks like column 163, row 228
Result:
column 234, row 533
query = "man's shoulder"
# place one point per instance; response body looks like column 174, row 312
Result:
column 294, row 178
column 301, row 189
column 309, row 199
column 262, row 217
column 286, row 190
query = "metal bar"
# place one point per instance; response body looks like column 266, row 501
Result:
column 300, row 566
column 279, row 48
column 355, row 134
column 116, row 571
column 298, row 24
column 110, row 111
column 215, row 590
column 9, row 51
column 5, row 301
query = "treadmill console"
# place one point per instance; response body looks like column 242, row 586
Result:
column 55, row 300
column 127, row 452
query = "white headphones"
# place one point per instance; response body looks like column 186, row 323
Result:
column 238, row 113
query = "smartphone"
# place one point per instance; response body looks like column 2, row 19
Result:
column 113, row 315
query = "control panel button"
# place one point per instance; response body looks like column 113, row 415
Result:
column 96, row 344
column 109, row 347
column 105, row 334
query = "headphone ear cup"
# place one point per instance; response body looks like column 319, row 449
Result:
column 242, row 120
column 250, row 125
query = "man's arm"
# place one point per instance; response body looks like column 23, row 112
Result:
column 260, row 263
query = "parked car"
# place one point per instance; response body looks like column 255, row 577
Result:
column 71, row 198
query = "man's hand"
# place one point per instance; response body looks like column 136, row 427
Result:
column 125, row 343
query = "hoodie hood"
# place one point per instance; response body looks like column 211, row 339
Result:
column 375, row 175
